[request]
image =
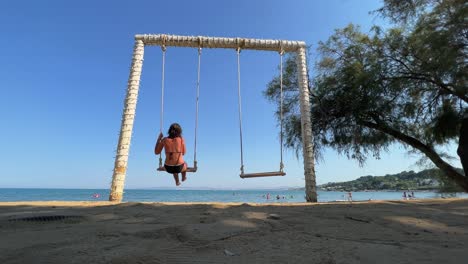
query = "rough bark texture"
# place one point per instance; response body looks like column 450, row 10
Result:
column 216, row 43
column 306, row 126
column 128, row 116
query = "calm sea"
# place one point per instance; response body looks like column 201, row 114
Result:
column 256, row 196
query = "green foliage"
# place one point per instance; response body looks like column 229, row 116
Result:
column 404, row 11
column 291, row 108
column 406, row 84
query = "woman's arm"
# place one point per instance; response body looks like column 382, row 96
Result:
column 159, row 144
column 183, row 146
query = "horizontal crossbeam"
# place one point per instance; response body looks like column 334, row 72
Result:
column 215, row 42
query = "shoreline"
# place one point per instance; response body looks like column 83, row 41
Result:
column 103, row 203
column 216, row 189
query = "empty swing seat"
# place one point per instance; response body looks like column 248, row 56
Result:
column 262, row 174
column 189, row 169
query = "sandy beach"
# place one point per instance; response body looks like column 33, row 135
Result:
column 418, row 231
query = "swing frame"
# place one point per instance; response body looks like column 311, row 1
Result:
column 128, row 116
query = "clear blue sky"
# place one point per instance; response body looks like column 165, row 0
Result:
column 63, row 74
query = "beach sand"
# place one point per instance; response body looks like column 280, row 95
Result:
column 418, row 231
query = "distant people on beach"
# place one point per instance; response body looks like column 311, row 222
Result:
column 404, row 196
column 96, row 196
column 350, row 197
column 278, row 197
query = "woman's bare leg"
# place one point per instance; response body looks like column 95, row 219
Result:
column 176, row 178
column 184, row 172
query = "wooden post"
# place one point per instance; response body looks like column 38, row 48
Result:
column 128, row 116
column 306, row 127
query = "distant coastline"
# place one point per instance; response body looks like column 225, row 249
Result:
column 425, row 180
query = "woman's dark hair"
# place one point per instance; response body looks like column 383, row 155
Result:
column 174, row 131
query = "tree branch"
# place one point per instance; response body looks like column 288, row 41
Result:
column 426, row 150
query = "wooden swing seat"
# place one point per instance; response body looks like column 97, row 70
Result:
column 262, row 174
column 189, row 169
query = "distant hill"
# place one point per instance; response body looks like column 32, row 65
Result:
column 430, row 179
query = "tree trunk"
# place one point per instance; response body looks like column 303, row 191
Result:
column 126, row 127
column 463, row 144
column 306, row 128
column 428, row 151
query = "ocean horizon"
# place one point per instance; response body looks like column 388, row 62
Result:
column 206, row 195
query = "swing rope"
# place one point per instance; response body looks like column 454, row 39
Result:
column 163, row 47
column 240, row 108
column 196, row 112
column 264, row 174
column 281, row 105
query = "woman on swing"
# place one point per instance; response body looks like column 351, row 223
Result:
column 174, row 147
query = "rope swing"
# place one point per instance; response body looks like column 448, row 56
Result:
column 161, row 166
column 196, row 111
column 163, row 48
column 281, row 166
column 281, row 108
column 280, row 172
column 240, row 109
